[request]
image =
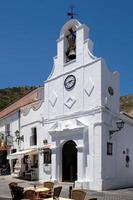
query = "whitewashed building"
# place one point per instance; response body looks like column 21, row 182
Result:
column 16, row 141
column 81, row 136
column 81, row 108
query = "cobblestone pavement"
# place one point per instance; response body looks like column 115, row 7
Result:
column 121, row 194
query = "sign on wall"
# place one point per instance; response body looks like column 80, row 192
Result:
column 9, row 140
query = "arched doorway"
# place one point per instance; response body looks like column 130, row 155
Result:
column 69, row 161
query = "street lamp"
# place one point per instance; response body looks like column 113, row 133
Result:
column 18, row 137
column 119, row 124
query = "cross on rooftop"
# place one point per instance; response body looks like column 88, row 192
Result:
column 71, row 13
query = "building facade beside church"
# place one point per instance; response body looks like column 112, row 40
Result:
column 71, row 133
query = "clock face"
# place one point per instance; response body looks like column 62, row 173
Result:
column 69, row 82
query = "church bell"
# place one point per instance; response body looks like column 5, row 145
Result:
column 72, row 54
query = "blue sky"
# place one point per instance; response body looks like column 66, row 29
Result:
column 29, row 30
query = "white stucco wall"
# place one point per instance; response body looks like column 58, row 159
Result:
column 110, row 79
column 124, row 143
column 115, row 173
column 29, row 119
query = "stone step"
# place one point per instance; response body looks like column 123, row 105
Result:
column 65, row 183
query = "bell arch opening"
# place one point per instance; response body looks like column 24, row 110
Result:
column 69, row 161
column 70, row 45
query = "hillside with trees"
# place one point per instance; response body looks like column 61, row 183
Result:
column 126, row 104
column 10, row 95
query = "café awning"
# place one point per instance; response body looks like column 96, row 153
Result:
column 20, row 154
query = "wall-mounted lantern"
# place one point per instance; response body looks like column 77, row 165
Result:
column 18, row 137
column 45, row 141
column 119, row 124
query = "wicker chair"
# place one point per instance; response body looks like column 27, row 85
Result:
column 10, row 186
column 57, row 191
column 55, row 194
column 17, row 192
column 48, row 194
column 48, row 184
column 92, row 199
column 78, row 194
column 29, row 194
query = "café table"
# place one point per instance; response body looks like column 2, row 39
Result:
column 59, row 198
column 37, row 189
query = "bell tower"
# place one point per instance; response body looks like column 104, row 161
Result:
column 78, row 81
column 74, row 48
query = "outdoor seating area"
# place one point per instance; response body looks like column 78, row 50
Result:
column 47, row 191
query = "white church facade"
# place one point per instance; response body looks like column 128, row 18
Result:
column 81, row 135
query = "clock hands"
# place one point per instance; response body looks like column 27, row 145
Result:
column 69, row 82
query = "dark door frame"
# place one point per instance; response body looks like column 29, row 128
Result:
column 69, row 161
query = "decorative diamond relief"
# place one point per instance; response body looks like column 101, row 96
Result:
column 89, row 87
column 70, row 102
column 53, row 99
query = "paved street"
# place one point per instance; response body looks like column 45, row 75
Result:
column 122, row 194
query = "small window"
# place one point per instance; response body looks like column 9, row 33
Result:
column 9, row 140
column 7, row 129
column 47, row 156
column 33, row 137
column 35, row 161
column 110, row 91
column 109, row 148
